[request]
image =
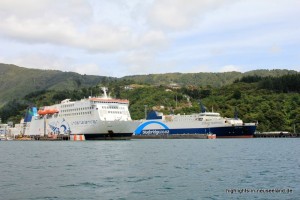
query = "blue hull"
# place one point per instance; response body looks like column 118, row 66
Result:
column 221, row 132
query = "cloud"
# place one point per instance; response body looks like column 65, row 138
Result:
column 91, row 69
column 96, row 37
column 275, row 49
column 151, row 36
column 76, row 24
column 230, row 68
column 58, row 62
column 180, row 14
column 78, row 10
column 153, row 39
column 40, row 61
column 141, row 62
column 67, row 23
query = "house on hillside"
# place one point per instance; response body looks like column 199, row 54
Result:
column 174, row 86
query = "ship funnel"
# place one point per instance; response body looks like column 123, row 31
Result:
column 30, row 112
column 104, row 89
column 236, row 114
column 202, row 107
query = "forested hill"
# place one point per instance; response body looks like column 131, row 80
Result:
column 273, row 102
column 203, row 78
column 16, row 82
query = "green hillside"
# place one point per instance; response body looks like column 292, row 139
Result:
column 203, row 79
column 16, row 82
column 275, row 108
column 271, row 97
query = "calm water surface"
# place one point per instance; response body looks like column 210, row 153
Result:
column 151, row 169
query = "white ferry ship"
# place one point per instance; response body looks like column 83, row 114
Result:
column 199, row 123
column 94, row 118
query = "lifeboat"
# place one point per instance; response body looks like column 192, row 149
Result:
column 42, row 112
column 48, row 111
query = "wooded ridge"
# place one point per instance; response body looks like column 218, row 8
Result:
column 270, row 97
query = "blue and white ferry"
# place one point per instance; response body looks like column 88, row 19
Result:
column 200, row 123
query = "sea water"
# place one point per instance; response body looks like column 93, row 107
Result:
column 262, row 168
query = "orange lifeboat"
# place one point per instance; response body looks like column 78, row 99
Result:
column 52, row 111
column 47, row 111
column 42, row 112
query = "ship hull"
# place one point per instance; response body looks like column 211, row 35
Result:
column 236, row 131
column 92, row 129
column 115, row 136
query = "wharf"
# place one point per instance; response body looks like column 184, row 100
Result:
column 175, row 136
column 276, row 135
column 56, row 138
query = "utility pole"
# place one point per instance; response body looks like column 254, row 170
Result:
column 146, row 111
column 176, row 102
column 296, row 122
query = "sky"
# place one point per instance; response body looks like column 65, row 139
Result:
column 130, row 37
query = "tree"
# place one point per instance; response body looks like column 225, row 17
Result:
column 237, row 94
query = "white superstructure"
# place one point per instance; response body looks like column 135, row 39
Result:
column 199, row 123
column 5, row 132
column 93, row 118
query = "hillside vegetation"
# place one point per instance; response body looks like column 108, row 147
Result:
column 275, row 109
column 16, row 82
column 204, row 79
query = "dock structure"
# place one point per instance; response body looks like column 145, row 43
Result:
column 276, row 134
column 55, row 138
column 173, row 136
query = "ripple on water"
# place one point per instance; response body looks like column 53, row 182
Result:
column 148, row 169
column 138, row 179
column 83, row 185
